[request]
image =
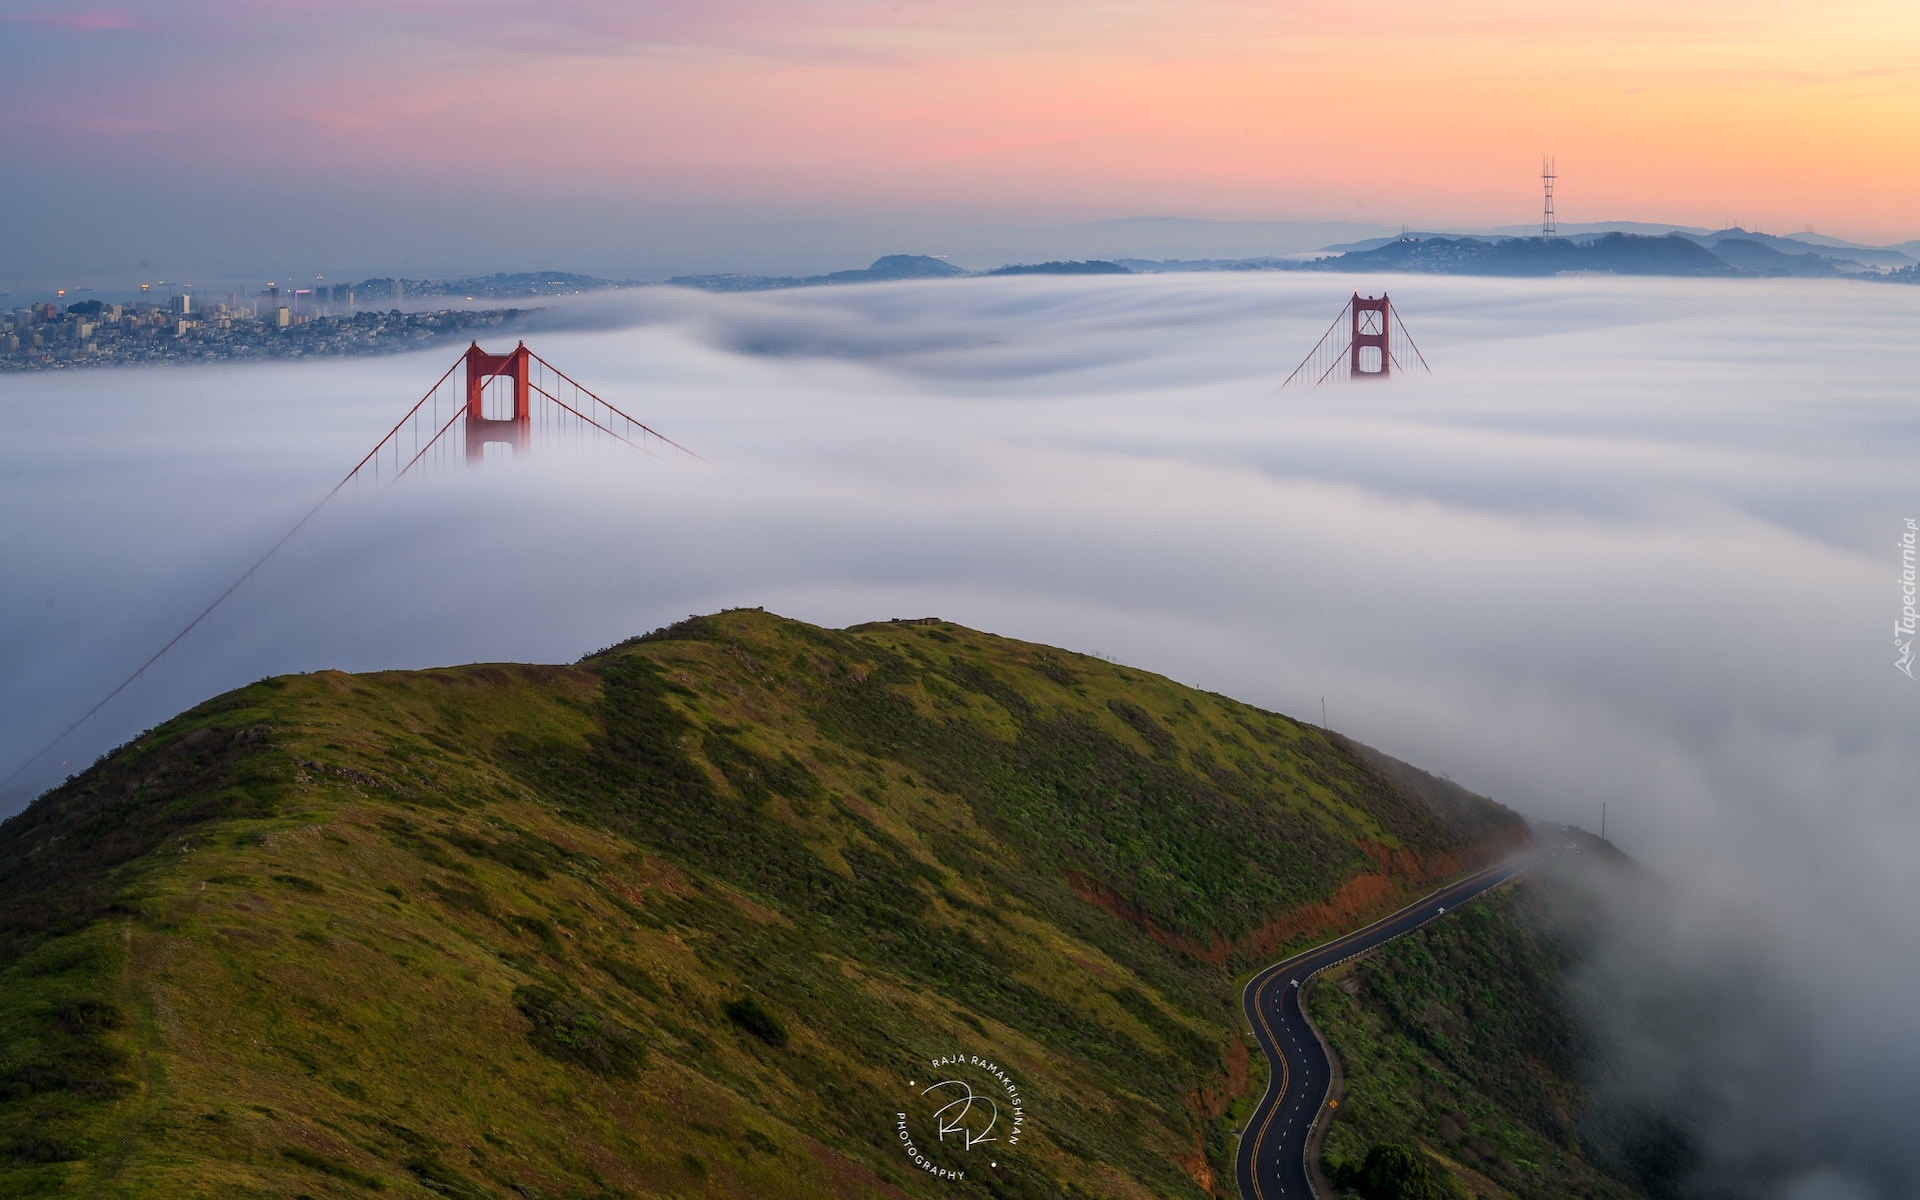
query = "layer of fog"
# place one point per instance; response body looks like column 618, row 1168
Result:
column 1632, row 543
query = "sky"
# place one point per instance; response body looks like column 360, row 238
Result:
column 1633, row 543
column 188, row 138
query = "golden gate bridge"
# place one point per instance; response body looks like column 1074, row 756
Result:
column 1363, row 349
column 503, row 400
column 510, row 401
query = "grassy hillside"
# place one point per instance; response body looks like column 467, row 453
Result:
column 1461, row 1042
column 691, row 917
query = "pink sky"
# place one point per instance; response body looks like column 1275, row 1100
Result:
column 1778, row 115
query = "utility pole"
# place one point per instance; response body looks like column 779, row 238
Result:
column 1323, row 714
column 1603, row 820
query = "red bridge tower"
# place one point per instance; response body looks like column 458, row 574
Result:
column 1370, row 355
column 510, row 431
column 1370, row 351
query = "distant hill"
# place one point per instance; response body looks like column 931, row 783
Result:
column 912, row 266
column 690, row 917
column 892, row 266
column 1094, row 267
column 1612, row 253
column 1580, row 249
column 1841, row 253
column 1759, row 259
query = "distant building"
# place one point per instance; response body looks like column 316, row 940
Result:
column 182, row 305
column 284, row 317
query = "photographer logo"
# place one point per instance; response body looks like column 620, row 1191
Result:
column 966, row 1115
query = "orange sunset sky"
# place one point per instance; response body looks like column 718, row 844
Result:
column 1778, row 115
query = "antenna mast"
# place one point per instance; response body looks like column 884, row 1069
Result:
column 1547, row 227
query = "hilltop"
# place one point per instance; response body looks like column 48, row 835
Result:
column 689, row 917
column 1610, row 253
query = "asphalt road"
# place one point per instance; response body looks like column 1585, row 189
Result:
column 1273, row 1151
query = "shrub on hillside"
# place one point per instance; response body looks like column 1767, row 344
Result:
column 1395, row 1172
column 748, row 1015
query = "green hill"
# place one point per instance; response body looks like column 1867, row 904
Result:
column 692, row 917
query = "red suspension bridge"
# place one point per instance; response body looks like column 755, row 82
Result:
column 512, row 400
column 503, row 400
column 1359, row 345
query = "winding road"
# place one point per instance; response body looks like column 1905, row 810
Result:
column 1272, row 1161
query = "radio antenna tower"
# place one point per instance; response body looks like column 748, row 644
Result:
column 1547, row 227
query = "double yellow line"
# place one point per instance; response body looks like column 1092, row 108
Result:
column 1286, row 1077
